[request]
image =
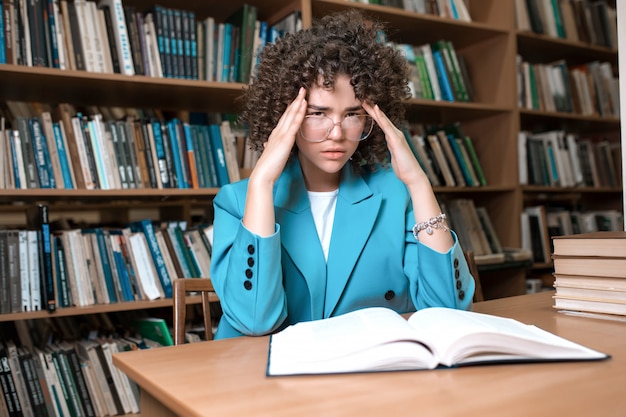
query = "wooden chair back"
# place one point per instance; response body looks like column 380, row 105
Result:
column 471, row 263
column 183, row 286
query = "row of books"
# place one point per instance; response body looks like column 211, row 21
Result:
column 26, row 266
column 452, row 9
column 66, row 379
column 593, row 22
column 437, row 71
column 64, row 148
column 101, row 265
column 477, row 234
column 559, row 158
column 589, row 89
column 540, row 224
column 590, row 273
column 446, row 155
column 109, row 37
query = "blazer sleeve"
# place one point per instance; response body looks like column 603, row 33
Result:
column 245, row 269
column 437, row 279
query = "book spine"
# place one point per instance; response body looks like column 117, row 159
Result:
column 7, row 384
column 66, row 169
column 147, row 229
column 178, row 152
column 120, row 31
column 28, row 153
column 42, row 155
column 61, row 268
column 442, row 77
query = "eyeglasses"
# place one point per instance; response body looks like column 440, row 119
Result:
column 355, row 127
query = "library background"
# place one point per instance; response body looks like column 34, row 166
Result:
column 118, row 126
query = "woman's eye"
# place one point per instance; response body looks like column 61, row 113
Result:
column 316, row 113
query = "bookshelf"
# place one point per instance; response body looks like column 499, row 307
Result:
column 577, row 51
column 489, row 44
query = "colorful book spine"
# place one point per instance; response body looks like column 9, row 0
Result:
column 145, row 227
column 176, row 146
column 63, row 156
column 219, row 157
column 42, row 154
column 45, row 258
column 442, row 77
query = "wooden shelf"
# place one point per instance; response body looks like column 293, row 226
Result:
column 50, row 85
column 46, row 194
column 99, row 308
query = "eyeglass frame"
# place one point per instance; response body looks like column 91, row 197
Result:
column 366, row 116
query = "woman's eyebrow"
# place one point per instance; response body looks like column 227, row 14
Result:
column 326, row 108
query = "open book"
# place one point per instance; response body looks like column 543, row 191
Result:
column 379, row 339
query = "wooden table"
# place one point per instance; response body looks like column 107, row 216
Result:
column 227, row 378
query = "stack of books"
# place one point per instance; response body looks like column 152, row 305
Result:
column 590, row 272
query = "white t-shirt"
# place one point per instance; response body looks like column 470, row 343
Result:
column 323, row 208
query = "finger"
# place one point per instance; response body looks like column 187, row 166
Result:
column 294, row 113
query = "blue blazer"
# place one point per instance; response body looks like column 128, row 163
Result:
column 267, row 283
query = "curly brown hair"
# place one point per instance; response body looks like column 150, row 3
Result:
column 344, row 43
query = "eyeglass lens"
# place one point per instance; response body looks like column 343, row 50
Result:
column 317, row 128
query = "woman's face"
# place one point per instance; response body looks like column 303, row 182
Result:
column 322, row 161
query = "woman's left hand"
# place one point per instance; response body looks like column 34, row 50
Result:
column 403, row 161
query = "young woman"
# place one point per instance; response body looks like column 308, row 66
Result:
column 337, row 214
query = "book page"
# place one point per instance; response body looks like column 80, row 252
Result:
column 459, row 336
column 358, row 341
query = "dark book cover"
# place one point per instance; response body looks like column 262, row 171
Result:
column 133, row 35
column 7, row 384
column 115, row 60
column 79, row 379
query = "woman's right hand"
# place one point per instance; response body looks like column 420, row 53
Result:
column 280, row 142
column 259, row 213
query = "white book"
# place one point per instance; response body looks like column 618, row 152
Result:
column 16, row 144
column 104, row 37
column 24, row 269
column 80, row 285
column 95, row 32
column 33, row 262
column 85, row 26
column 379, row 339
column 82, row 153
column 113, row 169
column 28, row 58
column 219, row 53
column 152, row 46
column 97, row 145
column 146, row 272
column 131, row 400
column 120, row 31
column 88, row 348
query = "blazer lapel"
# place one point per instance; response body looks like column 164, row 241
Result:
column 299, row 235
column 355, row 214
